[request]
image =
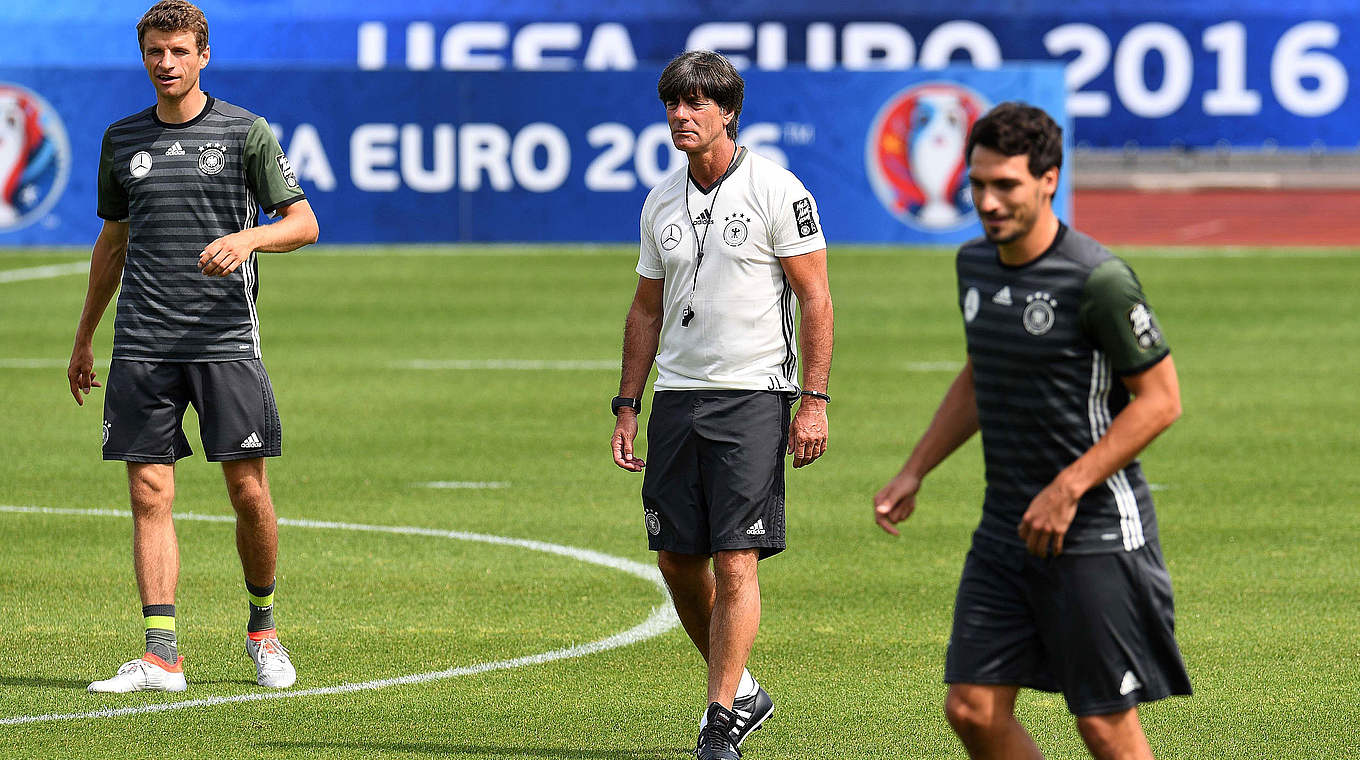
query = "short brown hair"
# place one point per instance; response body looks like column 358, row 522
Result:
column 175, row 16
column 1019, row 129
column 706, row 73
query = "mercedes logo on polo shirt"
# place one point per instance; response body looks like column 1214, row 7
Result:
column 140, row 164
column 670, row 237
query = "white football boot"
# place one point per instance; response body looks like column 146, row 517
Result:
column 273, row 669
column 150, row 673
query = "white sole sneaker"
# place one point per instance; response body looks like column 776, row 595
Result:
column 144, row 675
column 273, row 668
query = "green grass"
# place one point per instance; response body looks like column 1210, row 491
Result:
column 1258, row 521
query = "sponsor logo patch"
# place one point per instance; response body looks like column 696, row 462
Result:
column 175, row 150
column 289, row 176
column 1144, row 326
column 670, row 237
column 140, row 165
column 1002, row 297
column 1039, row 313
column 734, row 234
column 212, row 159
column 802, row 213
column 971, row 301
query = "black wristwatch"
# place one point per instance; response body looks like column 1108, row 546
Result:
column 621, row 402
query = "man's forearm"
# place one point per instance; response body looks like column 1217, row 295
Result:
column 817, row 335
column 1130, row 432
column 641, row 336
column 287, row 234
column 955, row 421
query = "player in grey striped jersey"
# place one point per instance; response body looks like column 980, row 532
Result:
column 181, row 185
column 1064, row 588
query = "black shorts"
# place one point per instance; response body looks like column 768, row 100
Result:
column 1100, row 628
column 715, row 471
column 144, row 405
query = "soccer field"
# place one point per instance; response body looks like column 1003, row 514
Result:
column 464, row 390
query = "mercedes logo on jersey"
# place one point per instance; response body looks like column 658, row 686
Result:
column 670, row 237
column 140, row 164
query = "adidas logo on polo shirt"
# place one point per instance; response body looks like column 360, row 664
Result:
column 252, row 441
column 758, row 529
column 175, row 150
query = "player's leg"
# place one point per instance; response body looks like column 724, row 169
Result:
column 983, row 717
column 257, row 533
column 1118, row 736
column 689, row 577
column 144, row 404
column 735, row 620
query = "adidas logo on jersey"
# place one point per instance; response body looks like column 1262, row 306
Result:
column 1003, row 296
column 252, row 441
column 175, row 150
column 703, row 218
column 758, row 529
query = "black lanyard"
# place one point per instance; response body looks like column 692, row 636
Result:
column 688, row 313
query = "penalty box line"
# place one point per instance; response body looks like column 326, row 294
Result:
column 661, row 620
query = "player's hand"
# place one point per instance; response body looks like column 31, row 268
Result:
column 80, row 372
column 225, row 255
column 1046, row 521
column 625, row 430
column 896, row 501
column 808, row 432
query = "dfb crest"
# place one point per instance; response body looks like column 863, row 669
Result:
column 35, row 157
column 914, row 155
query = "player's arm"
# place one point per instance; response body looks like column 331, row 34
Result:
column 641, row 336
column 810, row 428
column 295, row 228
column 106, row 270
column 955, row 421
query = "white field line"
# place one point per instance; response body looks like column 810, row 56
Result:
column 35, row 363
column 43, row 272
column 470, row 484
column 661, row 620
column 933, row 366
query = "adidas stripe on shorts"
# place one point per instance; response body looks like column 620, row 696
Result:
column 144, row 403
column 715, row 471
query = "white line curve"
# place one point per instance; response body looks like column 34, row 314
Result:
column 661, row 620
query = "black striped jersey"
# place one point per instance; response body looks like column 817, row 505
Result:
column 180, row 187
column 718, row 250
column 1049, row 341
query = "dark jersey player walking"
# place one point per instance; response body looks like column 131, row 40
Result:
column 180, row 188
column 1068, row 378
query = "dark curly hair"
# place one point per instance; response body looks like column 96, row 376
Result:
column 1019, row 129
column 175, row 16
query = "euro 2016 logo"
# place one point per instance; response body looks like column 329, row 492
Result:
column 35, row 157
column 914, row 155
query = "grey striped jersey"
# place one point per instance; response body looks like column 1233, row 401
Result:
column 1049, row 341
column 180, row 187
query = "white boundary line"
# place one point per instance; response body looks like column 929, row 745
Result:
column 661, row 620
column 511, row 364
column 43, row 272
column 471, row 484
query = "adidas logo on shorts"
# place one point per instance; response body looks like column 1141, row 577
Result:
column 252, row 441
column 758, row 529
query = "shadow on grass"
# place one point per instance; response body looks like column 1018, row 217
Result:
column 51, row 683
column 455, row 749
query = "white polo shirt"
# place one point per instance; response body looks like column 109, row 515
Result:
column 741, row 335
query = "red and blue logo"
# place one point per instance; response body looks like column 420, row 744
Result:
column 35, row 157
column 914, row 155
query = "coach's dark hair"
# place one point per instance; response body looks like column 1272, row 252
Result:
column 1016, row 129
column 705, row 73
column 175, row 16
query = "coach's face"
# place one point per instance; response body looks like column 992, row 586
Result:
column 172, row 60
column 696, row 123
column 1009, row 200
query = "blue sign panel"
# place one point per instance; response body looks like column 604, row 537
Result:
column 521, row 156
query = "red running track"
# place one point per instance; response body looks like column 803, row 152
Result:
column 1220, row 217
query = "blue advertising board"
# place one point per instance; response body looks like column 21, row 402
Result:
column 405, row 156
column 1155, row 73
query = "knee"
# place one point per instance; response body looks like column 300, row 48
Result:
column 678, row 567
column 734, row 568
column 1101, row 734
column 970, row 717
column 152, row 492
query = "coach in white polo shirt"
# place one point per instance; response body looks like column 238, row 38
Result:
column 729, row 244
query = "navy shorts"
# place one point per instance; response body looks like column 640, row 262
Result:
column 1100, row 628
column 144, row 405
column 715, row 471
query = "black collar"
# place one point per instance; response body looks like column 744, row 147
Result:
column 207, row 108
column 736, row 162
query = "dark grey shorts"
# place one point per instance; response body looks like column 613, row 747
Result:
column 144, row 405
column 1100, row 628
column 715, row 471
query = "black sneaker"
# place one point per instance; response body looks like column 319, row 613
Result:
column 715, row 739
column 751, row 712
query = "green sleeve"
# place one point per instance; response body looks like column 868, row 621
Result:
column 1116, row 318
column 268, row 172
column 113, row 199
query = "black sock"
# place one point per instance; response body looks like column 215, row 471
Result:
column 261, row 607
